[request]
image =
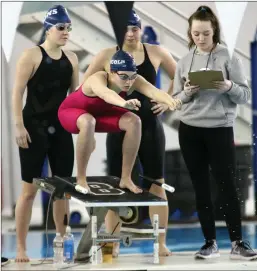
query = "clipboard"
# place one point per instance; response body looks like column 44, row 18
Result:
column 204, row 78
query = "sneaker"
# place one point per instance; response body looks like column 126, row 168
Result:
column 243, row 251
column 4, row 261
column 208, row 251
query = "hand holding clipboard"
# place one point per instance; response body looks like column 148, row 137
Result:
column 225, row 85
column 206, row 79
column 189, row 89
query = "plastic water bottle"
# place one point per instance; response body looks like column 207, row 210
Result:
column 58, row 250
column 68, row 246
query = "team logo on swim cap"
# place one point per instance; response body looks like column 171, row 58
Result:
column 134, row 19
column 136, row 16
column 122, row 61
column 51, row 12
column 56, row 14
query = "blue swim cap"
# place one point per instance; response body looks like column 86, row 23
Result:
column 134, row 19
column 122, row 61
column 56, row 14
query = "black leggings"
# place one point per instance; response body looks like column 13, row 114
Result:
column 214, row 147
column 151, row 152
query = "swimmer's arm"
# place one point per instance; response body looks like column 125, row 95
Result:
column 24, row 70
column 97, row 64
column 169, row 64
column 75, row 74
column 97, row 83
column 147, row 89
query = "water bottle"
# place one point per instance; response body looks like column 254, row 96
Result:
column 68, row 246
column 58, row 250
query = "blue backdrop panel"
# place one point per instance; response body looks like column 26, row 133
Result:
column 254, row 105
column 45, row 196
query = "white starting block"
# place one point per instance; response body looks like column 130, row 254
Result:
column 105, row 194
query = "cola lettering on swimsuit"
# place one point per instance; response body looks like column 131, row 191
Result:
column 117, row 61
column 101, row 189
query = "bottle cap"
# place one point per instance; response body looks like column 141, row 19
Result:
column 68, row 229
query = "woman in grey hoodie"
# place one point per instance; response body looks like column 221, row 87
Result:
column 206, row 129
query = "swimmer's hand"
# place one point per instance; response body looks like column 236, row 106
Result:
column 174, row 104
column 189, row 89
column 159, row 108
column 132, row 104
column 22, row 137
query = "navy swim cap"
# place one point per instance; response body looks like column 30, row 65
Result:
column 56, row 14
column 134, row 19
column 122, row 61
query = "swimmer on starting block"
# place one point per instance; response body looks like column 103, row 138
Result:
column 98, row 106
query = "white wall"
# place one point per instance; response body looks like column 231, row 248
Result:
column 247, row 29
column 6, row 157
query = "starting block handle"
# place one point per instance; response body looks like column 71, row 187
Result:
column 156, row 259
column 162, row 185
column 94, row 239
column 77, row 187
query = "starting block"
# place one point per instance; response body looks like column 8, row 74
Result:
column 105, row 195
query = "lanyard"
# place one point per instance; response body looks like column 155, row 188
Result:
column 194, row 56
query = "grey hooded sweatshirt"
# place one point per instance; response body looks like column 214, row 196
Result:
column 211, row 107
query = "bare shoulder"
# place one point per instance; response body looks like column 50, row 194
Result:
column 156, row 49
column 108, row 52
column 30, row 57
column 152, row 47
column 99, row 75
column 105, row 56
column 71, row 56
column 32, row 53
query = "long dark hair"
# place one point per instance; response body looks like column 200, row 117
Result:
column 204, row 13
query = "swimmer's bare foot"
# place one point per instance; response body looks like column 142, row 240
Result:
column 164, row 251
column 116, row 250
column 127, row 183
column 21, row 256
column 82, row 181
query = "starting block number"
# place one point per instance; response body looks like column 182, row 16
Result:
column 99, row 189
column 127, row 240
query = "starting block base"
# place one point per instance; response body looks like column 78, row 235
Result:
column 105, row 194
column 139, row 229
